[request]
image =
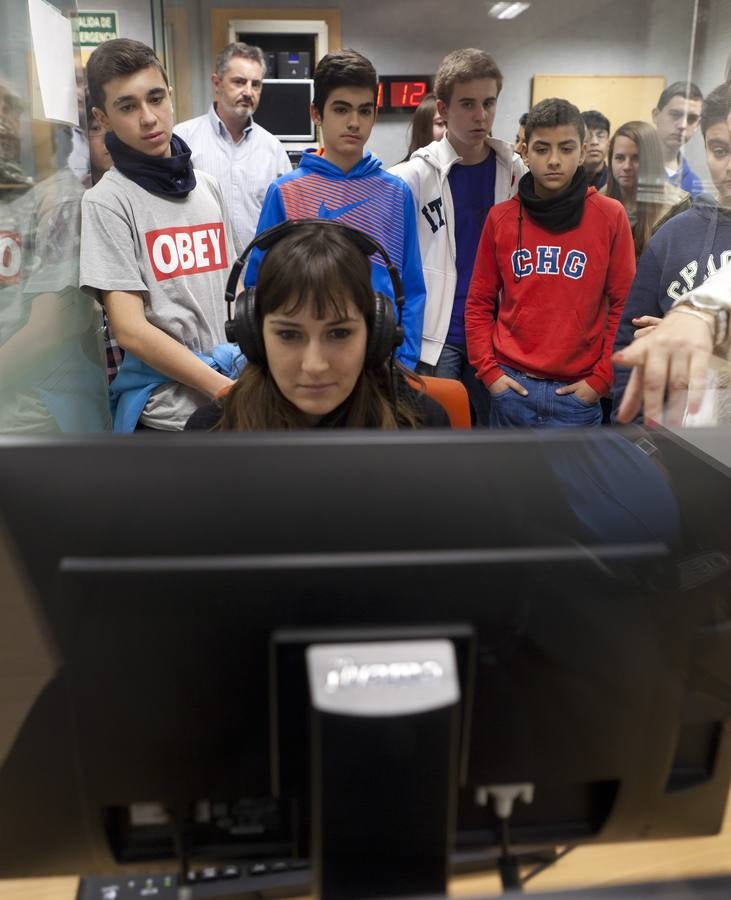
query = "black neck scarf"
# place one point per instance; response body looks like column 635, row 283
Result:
column 170, row 176
column 560, row 213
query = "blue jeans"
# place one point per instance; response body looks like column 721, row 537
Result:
column 452, row 363
column 542, row 407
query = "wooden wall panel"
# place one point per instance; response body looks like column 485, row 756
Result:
column 620, row 97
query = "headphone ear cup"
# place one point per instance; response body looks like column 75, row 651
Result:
column 248, row 329
column 384, row 335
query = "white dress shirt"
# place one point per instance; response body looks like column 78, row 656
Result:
column 244, row 168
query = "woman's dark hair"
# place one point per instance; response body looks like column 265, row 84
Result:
column 320, row 266
column 422, row 124
column 652, row 195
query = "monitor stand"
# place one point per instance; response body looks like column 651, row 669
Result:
column 384, row 768
column 384, row 772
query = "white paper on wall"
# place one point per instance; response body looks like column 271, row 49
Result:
column 53, row 49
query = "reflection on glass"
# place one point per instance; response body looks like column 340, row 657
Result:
column 637, row 178
column 52, row 377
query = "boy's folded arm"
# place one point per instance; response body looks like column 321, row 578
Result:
column 148, row 343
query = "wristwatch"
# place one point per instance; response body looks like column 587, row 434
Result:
column 718, row 311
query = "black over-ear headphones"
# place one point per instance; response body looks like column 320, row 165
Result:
column 244, row 329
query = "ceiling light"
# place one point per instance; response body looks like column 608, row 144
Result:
column 507, row 10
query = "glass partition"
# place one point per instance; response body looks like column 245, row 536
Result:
column 614, row 57
column 52, row 353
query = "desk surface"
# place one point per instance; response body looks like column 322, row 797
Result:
column 601, row 865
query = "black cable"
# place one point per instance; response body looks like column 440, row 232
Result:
column 507, row 863
column 517, row 276
column 505, row 836
column 394, row 381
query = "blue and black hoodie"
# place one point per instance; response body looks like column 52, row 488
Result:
column 366, row 198
column 679, row 257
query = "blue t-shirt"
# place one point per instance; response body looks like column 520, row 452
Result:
column 473, row 194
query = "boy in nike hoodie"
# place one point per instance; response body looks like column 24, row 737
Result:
column 455, row 182
column 690, row 247
column 342, row 182
column 560, row 259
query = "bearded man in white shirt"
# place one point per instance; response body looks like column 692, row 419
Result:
column 228, row 144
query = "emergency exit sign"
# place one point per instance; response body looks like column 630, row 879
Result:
column 97, row 27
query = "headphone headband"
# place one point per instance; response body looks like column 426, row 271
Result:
column 363, row 241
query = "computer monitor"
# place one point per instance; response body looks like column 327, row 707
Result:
column 284, row 108
column 593, row 569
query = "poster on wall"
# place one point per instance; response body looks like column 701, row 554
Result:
column 95, row 27
column 53, row 52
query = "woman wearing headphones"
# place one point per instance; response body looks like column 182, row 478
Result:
column 319, row 343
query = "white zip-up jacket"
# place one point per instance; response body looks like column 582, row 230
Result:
column 426, row 174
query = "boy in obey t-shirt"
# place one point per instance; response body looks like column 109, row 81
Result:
column 156, row 247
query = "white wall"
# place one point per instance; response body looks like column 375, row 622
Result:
column 570, row 37
column 412, row 36
column 553, row 37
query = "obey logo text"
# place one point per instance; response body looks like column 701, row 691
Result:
column 11, row 256
column 186, row 251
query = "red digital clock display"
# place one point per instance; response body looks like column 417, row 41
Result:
column 407, row 94
column 401, row 93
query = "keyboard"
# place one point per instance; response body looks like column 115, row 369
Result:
column 279, row 878
column 283, row 878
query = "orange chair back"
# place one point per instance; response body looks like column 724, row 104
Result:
column 452, row 395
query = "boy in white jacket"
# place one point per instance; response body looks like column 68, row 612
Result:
column 455, row 182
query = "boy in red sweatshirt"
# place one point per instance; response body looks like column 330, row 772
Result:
column 559, row 258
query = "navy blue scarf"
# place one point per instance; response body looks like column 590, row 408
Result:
column 170, row 176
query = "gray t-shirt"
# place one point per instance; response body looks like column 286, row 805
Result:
column 177, row 254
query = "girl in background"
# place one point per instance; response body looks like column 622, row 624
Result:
column 426, row 125
column 637, row 179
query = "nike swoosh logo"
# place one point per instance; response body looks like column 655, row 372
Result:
column 325, row 213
